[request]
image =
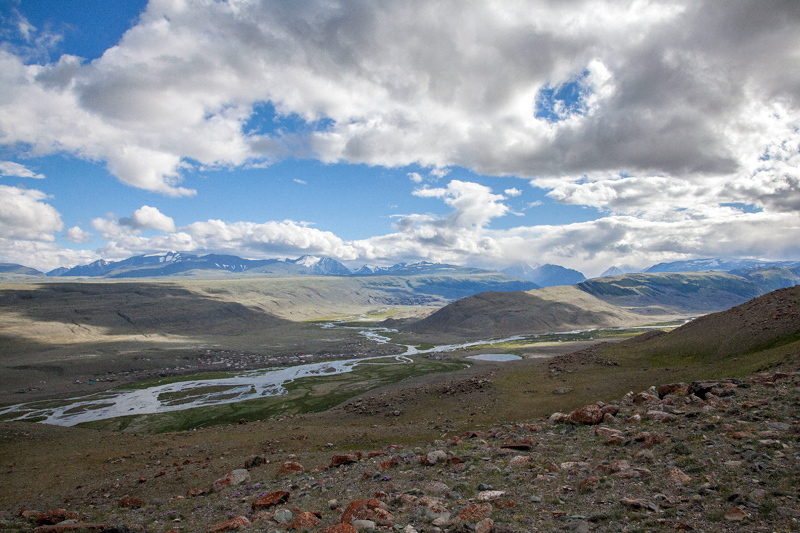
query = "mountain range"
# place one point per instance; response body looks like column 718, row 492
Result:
column 184, row 264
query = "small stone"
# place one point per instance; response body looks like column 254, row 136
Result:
column 131, row 503
column 484, row 526
column 489, row 495
column 271, row 500
column 736, row 515
column 437, row 487
column 363, row 524
column 283, row 516
column 475, row 512
column 435, row 456
column 230, row 525
column 232, row 479
column 678, row 476
column 306, row 520
column 340, row 460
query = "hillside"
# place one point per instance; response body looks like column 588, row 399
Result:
column 630, row 299
column 766, row 322
column 493, row 314
column 681, row 443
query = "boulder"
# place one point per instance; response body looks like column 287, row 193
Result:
column 55, row 516
column 271, row 500
column 588, row 414
column 475, row 512
column 289, row 468
column 340, row 460
column 232, row 479
column 305, row 521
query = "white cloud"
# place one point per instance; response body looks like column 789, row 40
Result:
column 676, row 117
column 77, row 235
column 668, row 89
column 24, row 215
column 10, row 168
column 147, row 217
column 473, row 204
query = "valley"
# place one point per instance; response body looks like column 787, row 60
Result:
column 85, row 353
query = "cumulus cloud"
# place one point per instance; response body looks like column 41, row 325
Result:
column 24, row 215
column 473, row 204
column 660, row 88
column 663, row 115
column 147, row 217
column 77, row 235
column 10, row 168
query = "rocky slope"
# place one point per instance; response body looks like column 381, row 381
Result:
column 707, row 456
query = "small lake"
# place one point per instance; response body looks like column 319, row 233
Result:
column 495, row 357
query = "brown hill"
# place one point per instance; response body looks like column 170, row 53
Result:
column 762, row 323
column 616, row 301
column 492, row 314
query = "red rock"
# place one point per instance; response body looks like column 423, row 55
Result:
column 590, row 484
column 607, row 432
column 289, row 468
column 475, row 512
column 305, row 520
column 675, row 389
column 484, row 526
column 195, row 492
column 230, row 525
column 131, row 502
column 649, row 439
column 610, row 410
column 232, row 479
column 339, row 528
column 638, row 504
column 271, row 500
column 339, row 460
column 616, row 466
column 736, row 515
column 645, row 398
column 55, row 516
column 588, row 414
column 373, row 509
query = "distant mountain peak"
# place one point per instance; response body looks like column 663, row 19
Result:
column 308, row 260
column 545, row 275
column 618, row 270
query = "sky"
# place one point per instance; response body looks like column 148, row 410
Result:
column 583, row 133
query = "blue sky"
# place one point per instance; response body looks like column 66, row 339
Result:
column 587, row 135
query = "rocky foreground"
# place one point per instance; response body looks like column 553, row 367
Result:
column 705, row 456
